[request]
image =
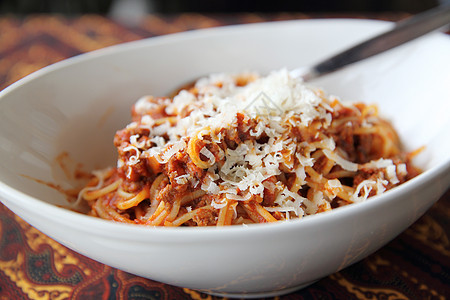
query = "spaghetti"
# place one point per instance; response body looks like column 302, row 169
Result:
column 240, row 149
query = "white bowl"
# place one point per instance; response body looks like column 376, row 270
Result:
column 78, row 104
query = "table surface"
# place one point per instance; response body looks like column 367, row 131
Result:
column 415, row 265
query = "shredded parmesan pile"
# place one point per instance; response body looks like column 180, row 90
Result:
column 276, row 104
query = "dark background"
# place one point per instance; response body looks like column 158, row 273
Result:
column 217, row 6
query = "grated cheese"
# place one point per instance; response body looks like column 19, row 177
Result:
column 183, row 179
column 345, row 164
column 211, row 158
column 275, row 103
column 134, row 159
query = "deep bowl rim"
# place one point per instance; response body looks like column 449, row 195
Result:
column 131, row 232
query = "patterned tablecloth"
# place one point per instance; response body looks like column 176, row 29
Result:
column 416, row 265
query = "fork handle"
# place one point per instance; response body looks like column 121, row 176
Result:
column 403, row 31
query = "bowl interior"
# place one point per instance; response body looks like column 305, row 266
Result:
column 63, row 118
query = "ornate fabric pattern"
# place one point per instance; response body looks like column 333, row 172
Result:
column 416, row 265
